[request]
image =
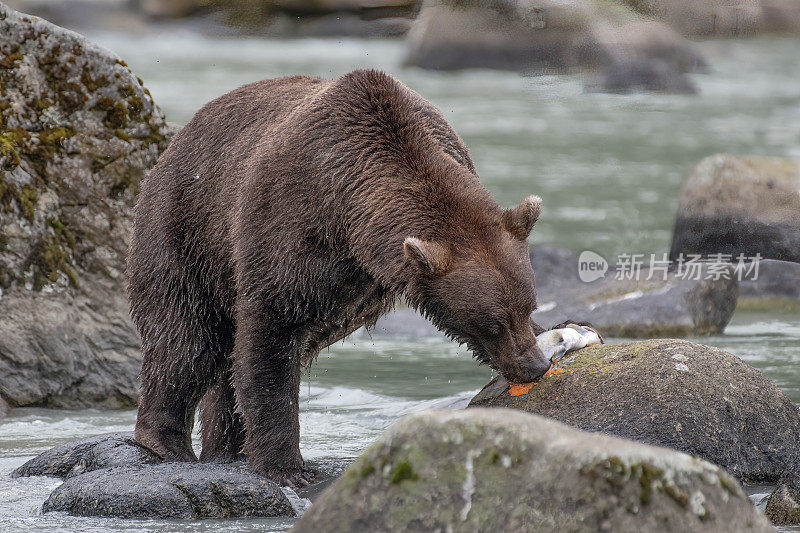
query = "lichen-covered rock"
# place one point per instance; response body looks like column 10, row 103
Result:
column 85, row 455
column 740, row 205
column 78, row 131
column 502, row 470
column 171, row 490
column 690, row 397
column 541, row 36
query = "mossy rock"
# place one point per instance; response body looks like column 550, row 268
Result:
column 78, row 132
column 503, row 470
column 694, row 398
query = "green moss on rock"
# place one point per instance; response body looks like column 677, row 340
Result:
column 403, row 472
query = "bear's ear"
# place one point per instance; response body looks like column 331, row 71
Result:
column 519, row 220
column 429, row 257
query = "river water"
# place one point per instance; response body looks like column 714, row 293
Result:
column 608, row 168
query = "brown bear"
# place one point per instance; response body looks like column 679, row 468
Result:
column 287, row 214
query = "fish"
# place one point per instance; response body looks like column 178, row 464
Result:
column 557, row 343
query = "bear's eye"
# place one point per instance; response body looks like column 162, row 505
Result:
column 492, row 327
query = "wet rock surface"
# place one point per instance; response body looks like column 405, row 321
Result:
column 690, row 397
column 502, row 470
column 78, row 131
column 740, row 205
column 170, row 490
column 112, row 475
column 85, row 455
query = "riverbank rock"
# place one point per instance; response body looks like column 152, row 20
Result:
column 725, row 18
column 541, row 36
column 171, row 490
column 740, row 205
column 85, row 455
column 690, row 397
column 78, row 133
column 490, row 470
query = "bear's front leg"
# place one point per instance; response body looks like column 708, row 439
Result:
column 266, row 379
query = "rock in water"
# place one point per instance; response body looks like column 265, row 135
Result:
column 85, row 455
column 171, row 490
column 113, row 475
column 690, row 397
column 541, row 36
column 740, row 205
column 490, row 470
column 78, row 131
column 643, row 308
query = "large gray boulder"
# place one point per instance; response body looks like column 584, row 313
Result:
column 541, row 36
column 690, row 397
column 740, row 205
column 503, row 470
column 79, row 131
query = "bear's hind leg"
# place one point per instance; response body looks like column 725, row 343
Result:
column 179, row 362
column 222, row 429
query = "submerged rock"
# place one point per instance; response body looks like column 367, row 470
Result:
column 540, row 36
column 78, row 131
column 653, row 75
column 502, row 470
column 171, row 490
column 690, row 397
column 85, row 455
column 740, row 205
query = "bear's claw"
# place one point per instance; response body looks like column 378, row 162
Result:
column 295, row 478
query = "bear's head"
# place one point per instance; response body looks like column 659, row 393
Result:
column 478, row 287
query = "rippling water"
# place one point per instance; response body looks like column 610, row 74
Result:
column 609, row 169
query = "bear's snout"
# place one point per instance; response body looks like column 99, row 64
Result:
column 528, row 366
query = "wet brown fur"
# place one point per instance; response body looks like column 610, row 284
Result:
column 284, row 216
